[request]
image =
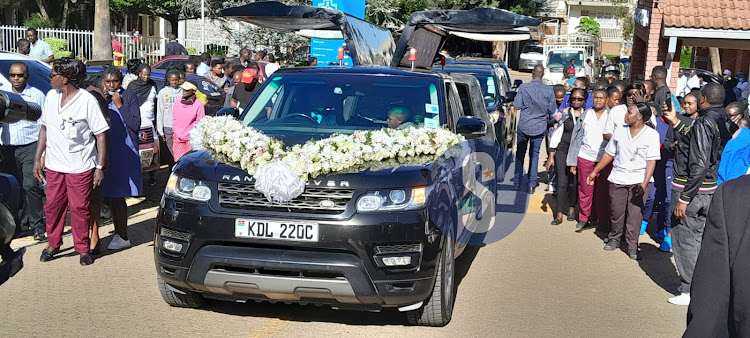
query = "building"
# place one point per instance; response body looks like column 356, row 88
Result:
column 663, row 27
column 569, row 14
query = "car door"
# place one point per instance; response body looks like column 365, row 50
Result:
column 427, row 31
column 472, row 101
column 367, row 44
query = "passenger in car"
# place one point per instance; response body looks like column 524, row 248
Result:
column 397, row 117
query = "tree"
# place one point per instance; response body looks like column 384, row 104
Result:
column 624, row 12
column 588, row 25
column 102, row 33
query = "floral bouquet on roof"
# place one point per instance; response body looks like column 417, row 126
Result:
column 281, row 173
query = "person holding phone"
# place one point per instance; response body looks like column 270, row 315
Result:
column 75, row 146
column 123, row 175
column 633, row 152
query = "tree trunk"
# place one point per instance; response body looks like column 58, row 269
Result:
column 715, row 60
column 498, row 50
column 42, row 9
column 102, row 33
column 66, row 13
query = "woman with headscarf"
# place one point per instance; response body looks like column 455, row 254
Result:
column 185, row 115
column 123, row 176
column 145, row 90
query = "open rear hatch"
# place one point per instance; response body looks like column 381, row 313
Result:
column 427, row 31
column 367, row 44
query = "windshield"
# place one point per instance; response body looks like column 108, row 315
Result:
column 342, row 103
column 531, row 50
column 489, row 88
column 558, row 59
column 38, row 73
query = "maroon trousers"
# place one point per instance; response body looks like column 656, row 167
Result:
column 627, row 213
column 63, row 191
column 593, row 197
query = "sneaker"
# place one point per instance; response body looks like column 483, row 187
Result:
column 683, row 299
column 550, row 188
column 118, row 243
column 661, row 234
column 644, row 225
column 666, row 245
column 580, row 225
column 633, row 253
column 612, row 245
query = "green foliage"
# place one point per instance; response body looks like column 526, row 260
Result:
column 37, row 21
column 59, row 47
column 216, row 50
column 191, row 50
column 588, row 25
column 686, row 57
column 624, row 13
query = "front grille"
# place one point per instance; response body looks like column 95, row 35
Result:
column 313, row 200
column 402, row 248
column 183, row 236
column 146, row 135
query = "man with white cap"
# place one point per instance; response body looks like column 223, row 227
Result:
column 729, row 83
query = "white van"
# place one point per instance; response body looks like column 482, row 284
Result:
column 557, row 62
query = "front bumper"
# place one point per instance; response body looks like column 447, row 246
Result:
column 528, row 64
column 341, row 269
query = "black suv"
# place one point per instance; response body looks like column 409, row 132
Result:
column 218, row 237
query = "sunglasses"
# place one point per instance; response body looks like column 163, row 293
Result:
column 17, row 74
column 576, row 99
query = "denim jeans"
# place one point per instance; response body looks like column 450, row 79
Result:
column 521, row 147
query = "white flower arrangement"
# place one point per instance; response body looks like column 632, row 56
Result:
column 229, row 141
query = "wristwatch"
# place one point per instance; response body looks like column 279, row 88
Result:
column 101, row 167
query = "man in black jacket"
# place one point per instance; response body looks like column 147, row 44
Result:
column 174, row 47
column 696, row 165
column 720, row 305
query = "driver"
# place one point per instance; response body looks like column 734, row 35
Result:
column 397, row 116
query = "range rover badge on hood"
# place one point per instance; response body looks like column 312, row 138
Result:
column 327, row 204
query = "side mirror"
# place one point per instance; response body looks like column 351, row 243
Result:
column 517, row 83
column 233, row 111
column 510, row 96
column 471, row 127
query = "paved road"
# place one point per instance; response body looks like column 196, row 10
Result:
column 541, row 281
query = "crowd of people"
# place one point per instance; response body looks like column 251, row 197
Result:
column 630, row 157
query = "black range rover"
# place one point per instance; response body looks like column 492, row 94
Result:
column 366, row 240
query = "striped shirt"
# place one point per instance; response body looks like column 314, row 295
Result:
column 22, row 132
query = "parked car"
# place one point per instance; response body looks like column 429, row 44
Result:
column 347, row 255
column 531, row 55
column 494, row 78
column 705, row 75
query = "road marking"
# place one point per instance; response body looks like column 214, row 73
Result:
column 270, row 328
column 541, row 203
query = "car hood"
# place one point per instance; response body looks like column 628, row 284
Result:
column 200, row 165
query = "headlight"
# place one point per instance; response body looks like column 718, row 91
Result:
column 187, row 188
column 395, row 199
column 547, row 82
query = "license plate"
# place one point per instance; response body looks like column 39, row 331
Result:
column 147, row 156
column 283, row 231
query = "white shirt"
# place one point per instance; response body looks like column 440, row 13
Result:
column 682, row 88
column 744, row 87
column 147, row 110
column 592, row 147
column 617, row 119
column 631, row 154
column 270, row 68
column 693, row 82
column 202, row 69
column 22, row 132
column 70, row 131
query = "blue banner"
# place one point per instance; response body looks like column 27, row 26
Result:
column 326, row 51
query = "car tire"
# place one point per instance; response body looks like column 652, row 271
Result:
column 188, row 299
column 438, row 308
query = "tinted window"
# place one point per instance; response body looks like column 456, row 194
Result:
column 558, row 59
column 38, row 74
column 341, row 103
column 531, row 50
column 463, row 94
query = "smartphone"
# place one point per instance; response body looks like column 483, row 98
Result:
column 668, row 97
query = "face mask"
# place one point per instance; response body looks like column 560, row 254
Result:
column 742, row 80
column 111, row 93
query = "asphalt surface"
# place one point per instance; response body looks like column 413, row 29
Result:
column 541, row 281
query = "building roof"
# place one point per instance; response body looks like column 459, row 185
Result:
column 708, row 14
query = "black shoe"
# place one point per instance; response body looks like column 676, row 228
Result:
column 612, row 245
column 86, row 259
column 151, row 181
column 40, row 237
column 571, row 217
column 532, row 190
column 633, row 253
column 97, row 249
column 47, row 255
column 556, row 222
column 580, row 225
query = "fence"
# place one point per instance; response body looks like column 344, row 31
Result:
column 81, row 43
